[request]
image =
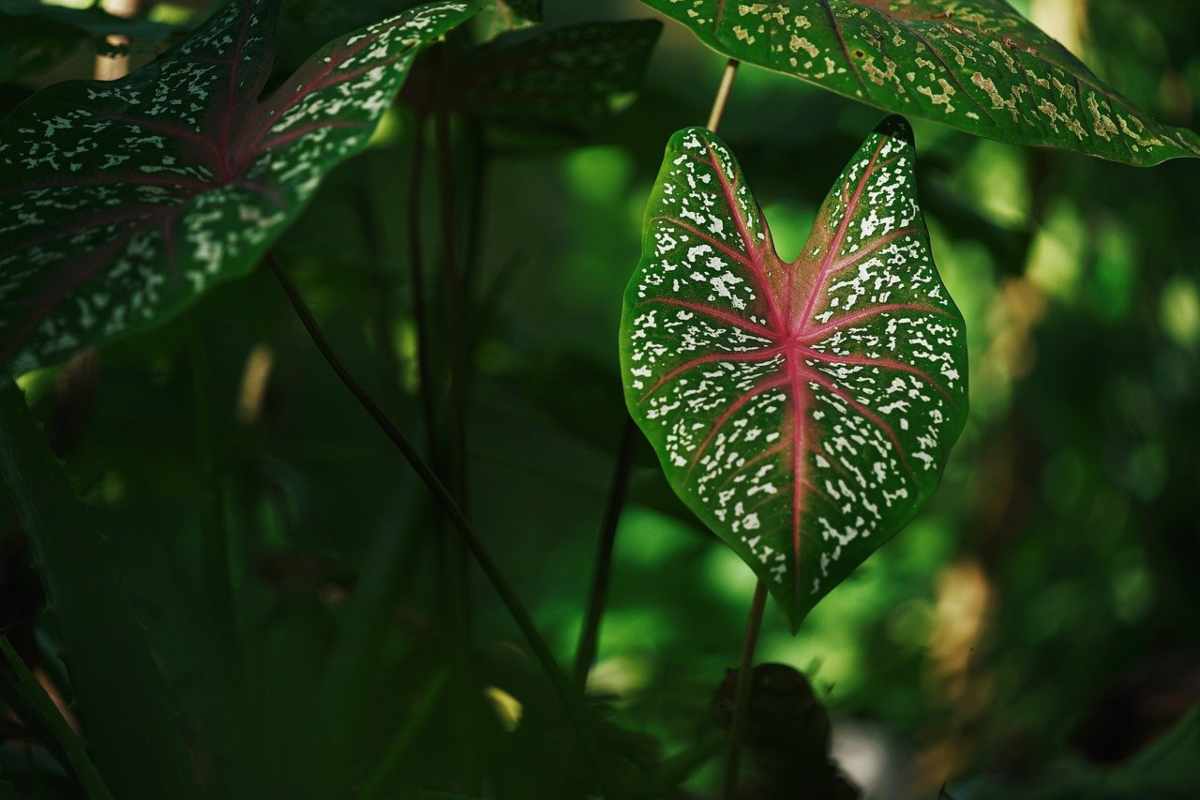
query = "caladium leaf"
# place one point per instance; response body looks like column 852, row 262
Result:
column 977, row 65
column 571, row 77
column 121, row 202
column 805, row 410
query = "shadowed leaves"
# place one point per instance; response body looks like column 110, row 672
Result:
column 123, row 201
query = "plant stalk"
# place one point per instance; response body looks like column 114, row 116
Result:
column 416, row 280
column 745, row 681
column 723, row 92
column 456, row 304
column 474, row 544
column 26, row 687
column 585, row 653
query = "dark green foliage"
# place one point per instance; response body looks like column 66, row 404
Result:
column 245, row 592
column 35, row 37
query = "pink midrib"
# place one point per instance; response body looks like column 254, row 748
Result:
column 792, row 340
column 224, row 163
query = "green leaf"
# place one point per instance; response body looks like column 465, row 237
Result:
column 128, row 715
column 805, row 410
column 94, row 21
column 978, row 66
column 43, row 713
column 529, row 9
column 572, row 77
column 500, row 16
column 122, row 202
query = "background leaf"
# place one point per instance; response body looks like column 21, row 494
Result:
column 978, row 66
column 35, row 36
column 125, row 201
column 803, row 410
column 569, row 78
column 118, row 700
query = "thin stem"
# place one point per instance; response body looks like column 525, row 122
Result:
column 26, row 687
column 745, row 680
column 507, row 595
column 455, row 299
column 419, row 714
column 585, row 653
column 416, row 279
column 218, row 539
column 383, row 285
column 723, row 91
column 481, row 162
column 456, row 302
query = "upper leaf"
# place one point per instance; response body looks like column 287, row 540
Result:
column 977, row 65
column 121, row 202
column 803, row 410
column 571, row 77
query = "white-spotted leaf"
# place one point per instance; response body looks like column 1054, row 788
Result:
column 121, row 202
column 977, row 65
column 805, row 410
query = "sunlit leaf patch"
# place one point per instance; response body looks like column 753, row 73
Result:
column 803, row 410
column 977, row 65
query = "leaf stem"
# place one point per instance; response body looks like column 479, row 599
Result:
column 507, row 595
column 481, row 164
column 416, row 279
column 745, row 680
column 585, row 653
column 723, row 92
column 40, row 705
column 219, row 573
column 456, row 303
column 418, row 715
column 455, row 299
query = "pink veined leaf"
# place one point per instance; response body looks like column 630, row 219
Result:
column 977, row 65
column 804, row 411
column 122, row 202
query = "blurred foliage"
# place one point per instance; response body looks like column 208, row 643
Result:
column 1030, row 635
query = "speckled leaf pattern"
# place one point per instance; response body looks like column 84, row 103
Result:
column 805, row 410
column 574, row 76
column 977, row 65
column 121, row 202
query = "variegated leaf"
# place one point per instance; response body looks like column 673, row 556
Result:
column 571, row 78
column 977, row 65
column 122, row 202
column 803, row 410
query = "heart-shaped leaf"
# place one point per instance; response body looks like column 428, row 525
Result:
column 976, row 65
column 121, row 202
column 572, row 77
column 802, row 410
